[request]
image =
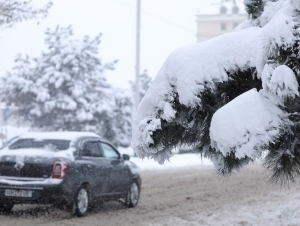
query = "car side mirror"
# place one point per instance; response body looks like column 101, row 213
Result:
column 126, row 157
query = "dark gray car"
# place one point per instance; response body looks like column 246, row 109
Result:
column 77, row 169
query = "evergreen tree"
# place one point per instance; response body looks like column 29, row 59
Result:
column 283, row 158
column 124, row 108
column 145, row 82
column 254, row 8
column 123, row 117
column 65, row 88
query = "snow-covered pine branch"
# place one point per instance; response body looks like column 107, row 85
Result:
column 203, row 96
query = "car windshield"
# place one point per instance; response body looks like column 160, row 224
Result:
column 55, row 145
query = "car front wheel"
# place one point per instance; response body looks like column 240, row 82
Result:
column 133, row 195
column 82, row 201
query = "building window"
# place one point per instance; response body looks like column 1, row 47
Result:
column 223, row 26
column 223, row 10
column 235, row 24
column 235, row 9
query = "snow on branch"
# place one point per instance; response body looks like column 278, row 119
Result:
column 203, row 95
column 189, row 71
column 280, row 81
column 245, row 125
column 14, row 11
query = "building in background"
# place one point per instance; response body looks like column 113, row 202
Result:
column 219, row 17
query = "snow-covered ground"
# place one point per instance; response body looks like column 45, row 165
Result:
column 193, row 196
column 185, row 191
column 177, row 161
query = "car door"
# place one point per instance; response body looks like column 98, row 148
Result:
column 119, row 175
column 95, row 166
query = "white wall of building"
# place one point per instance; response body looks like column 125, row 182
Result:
column 219, row 18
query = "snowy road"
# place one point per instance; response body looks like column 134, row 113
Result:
column 186, row 196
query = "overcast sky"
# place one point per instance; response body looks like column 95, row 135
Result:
column 165, row 26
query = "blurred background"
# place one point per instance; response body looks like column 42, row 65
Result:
column 164, row 26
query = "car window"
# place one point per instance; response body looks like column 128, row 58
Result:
column 9, row 142
column 33, row 143
column 91, row 149
column 109, row 151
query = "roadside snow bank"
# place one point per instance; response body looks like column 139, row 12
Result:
column 177, row 161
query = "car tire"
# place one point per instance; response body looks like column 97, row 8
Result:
column 82, row 201
column 6, row 208
column 133, row 195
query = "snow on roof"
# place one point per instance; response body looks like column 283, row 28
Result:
column 19, row 155
column 229, row 7
column 63, row 135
